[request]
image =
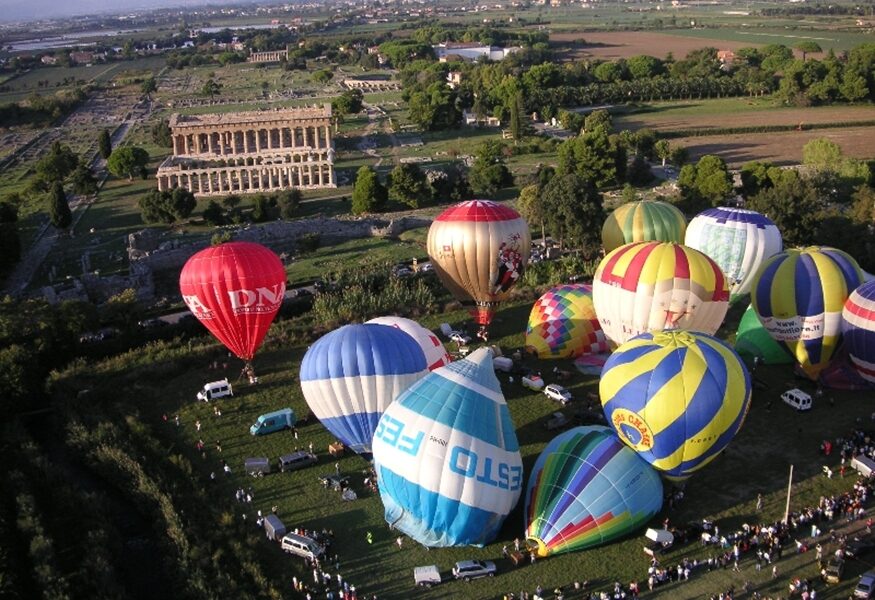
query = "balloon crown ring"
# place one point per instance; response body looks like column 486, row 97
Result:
column 674, row 338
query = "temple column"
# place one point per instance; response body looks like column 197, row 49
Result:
column 328, row 136
column 258, row 140
column 210, row 146
column 185, row 143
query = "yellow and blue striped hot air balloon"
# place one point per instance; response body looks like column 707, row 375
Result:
column 676, row 397
column 647, row 221
column 798, row 296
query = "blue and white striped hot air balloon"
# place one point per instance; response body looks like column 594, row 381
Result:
column 350, row 376
column 447, row 457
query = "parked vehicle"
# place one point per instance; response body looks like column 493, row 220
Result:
column 556, row 392
column 533, row 382
column 446, row 329
column 866, row 586
column 274, row 528
column 296, row 460
column 472, row 569
column 460, row 338
column 335, row 482
column 833, row 571
column 151, row 323
column 257, row 467
column 556, row 421
column 273, row 421
column 864, row 465
column 860, row 546
column 301, row 545
column 427, row 576
column 658, row 541
column 797, row 399
column 502, row 363
column 215, row 389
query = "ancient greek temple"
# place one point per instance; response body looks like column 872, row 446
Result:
column 248, row 152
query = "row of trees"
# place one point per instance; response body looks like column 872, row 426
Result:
column 407, row 185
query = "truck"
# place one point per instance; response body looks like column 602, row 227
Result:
column 274, row 421
column 427, row 576
column 274, row 528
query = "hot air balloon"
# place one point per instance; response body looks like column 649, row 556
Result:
column 563, row 324
column 753, row 341
column 588, row 488
column 435, row 353
column 447, row 458
column 235, row 290
column 799, row 295
column 651, row 286
column 350, row 375
column 479, row 250
column 648, row 221
column 676, row 397
column 738, row 240
column 858, row 330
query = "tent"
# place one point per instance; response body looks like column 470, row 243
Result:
column 752, row 340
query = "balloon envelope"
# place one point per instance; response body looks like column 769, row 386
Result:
column 647, row 221
column 738, row 240
column 858, row 329
column 799, row 295
column 350, row 376
column 435, row 354
column 587, row 488
column 651, row 286
column 447, row 458
column 676, row 397
column 563, row 324
column 479, row 250
column 235, row 290
column 752, row 340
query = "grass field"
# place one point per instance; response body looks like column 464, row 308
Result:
column 751, row 36
column 756, row 462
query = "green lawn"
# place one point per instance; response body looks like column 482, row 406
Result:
column 756, row 462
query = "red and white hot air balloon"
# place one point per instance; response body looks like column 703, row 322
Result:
column 235, row 290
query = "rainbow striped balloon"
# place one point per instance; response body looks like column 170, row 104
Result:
column 858, row 329
column 676, row 397
column 651, row 286
column 587, row 488
column 798, row 296
column 646, row 221
column 563, row 324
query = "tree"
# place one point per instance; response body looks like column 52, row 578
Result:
column 822, row 153
column 322, row 76
column 259, row 209
column 489, row 174
column 598, row 118
column 531, row 206
column 59, row 209
column 211, row 88
column 288, row 202
column 705, row 184
column 10, row 244
column 574, row 212
column 127, row 161
column 213, row 214
column 594, row 155
column 516, row 118
column 54, row 167
column 408, row 185
column 168, row 206
column 808, row 46
column 793, row 205
column 349, row 102
column 104, row 144
column 639, row 172
column 755, row 177
column 863, row 206
column 663, row 150
column 368, row 194
column 83, row 181
column 161, row 134
column 149, row 86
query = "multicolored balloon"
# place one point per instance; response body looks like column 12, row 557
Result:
column 435, row 354
column 858, row 330
column 799, row 295
column 447, row 458
column 738, row 240
column 563, row 324
column 350, row 376
column 235, row 290
column 586, row 489
column 676, row 397
column 647, row 221
column 479, row 250
column 651, row 286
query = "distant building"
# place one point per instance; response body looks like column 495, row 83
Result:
column 454, row 79
column 372, row 84
column 470, row 119
column 726, row 56
column 49, row 59
column 471, row 51
column 268, row 56
column 81, row 58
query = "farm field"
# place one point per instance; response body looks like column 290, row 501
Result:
column 754, row 36
column 735, row 112
column 610, row 45
column 783, row 148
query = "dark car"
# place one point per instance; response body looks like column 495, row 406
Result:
column 859, row 546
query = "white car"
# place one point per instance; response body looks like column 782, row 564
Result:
column 460, row 338
column 558, row 393
column 472, row 569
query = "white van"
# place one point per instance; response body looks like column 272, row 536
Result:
column 797, row 399
column 301, row 545
column 502, row 363
column 864, row 465
column 215, row 389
